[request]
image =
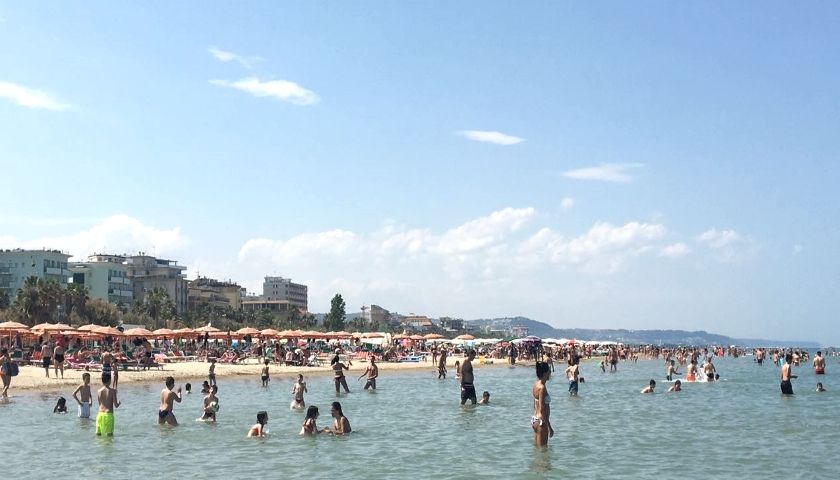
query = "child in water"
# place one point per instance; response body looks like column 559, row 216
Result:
column 820, row 387
column 457, row 369
column 309, row 428
column 264, row 374
column 676, row 387
column 650, row 387
column 211, row 405
column 60, row 406
column 205, row 388
column 259, row 429
column 485, row 398
column 188, row 388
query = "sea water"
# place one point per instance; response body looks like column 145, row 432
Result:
column 413, row 427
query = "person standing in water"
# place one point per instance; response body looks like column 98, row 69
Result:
column 691, row 373
column 107, row 397
column 210, row 405
column 573, row 374
column 819, row 364
column 167, row 403
column 264, row 374
column 787, row 388
column 58, row 360
column 83, row 396
column 442, row 364
column 672, row 370
column 298, row 389
column 338, row 370
column 467, row 379
column 259, row 430
column 709, row 369
column 540, row 420
column 372, row 372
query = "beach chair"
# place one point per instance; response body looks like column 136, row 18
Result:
column 314, row 361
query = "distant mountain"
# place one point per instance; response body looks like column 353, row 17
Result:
column 663, row 337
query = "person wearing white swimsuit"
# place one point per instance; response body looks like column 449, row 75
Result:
column 540, row 420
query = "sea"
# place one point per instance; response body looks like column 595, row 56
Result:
column 412, row 427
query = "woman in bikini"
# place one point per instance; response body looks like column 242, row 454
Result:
column 338, row 369
column 309, row 428
column 540, row 420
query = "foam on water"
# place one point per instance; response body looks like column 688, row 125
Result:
column 413, row 426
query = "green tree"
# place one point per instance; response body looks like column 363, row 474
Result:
column 75, row 300
column 5, row 301
column 334, row 320
column 28, row 301
column 100, row 312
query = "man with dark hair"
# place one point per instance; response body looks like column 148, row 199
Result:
column 819, row 364
column 167, row 403
column 467, row 379
column 787, row 388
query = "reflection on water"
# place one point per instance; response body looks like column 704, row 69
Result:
column 414, row 426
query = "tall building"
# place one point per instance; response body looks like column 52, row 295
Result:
column 207, row 291
column 282, row 289
column 106, row 277
column 147, row 273
column 18, row 264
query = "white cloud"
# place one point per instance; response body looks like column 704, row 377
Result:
column 717, row 239
column 498, row 138
column 30, row 97
column 607, row 172
column 283, row 90
column 226, row 56
column 675, row 250
column 567, row 203
column 115, row 234
column 484, row 231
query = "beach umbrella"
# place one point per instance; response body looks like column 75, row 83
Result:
column 139, row 332
column 164, row 332
column 312, row 334
column 107, row 331
column 433, row 336
column 13, row 327
column 51, row 327
column 372, row 335
column 465, row 336
column 399, row 336
column 532, row 338
column 416, row 337
column 269, row 332
column 248, row 331
column 206, row 329
column 88, row 328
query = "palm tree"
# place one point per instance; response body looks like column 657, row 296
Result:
column 28, row 300
column 76, row 298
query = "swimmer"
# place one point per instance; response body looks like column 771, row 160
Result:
column 573, row 374
column 60, row 405
column 819, row 364
column 211, row 372
column 338, row 370
column 298, row 389
column 372, row 372
column 467, row 379
column 540, row 420
column 205, row 388
column 309, row 428
column 107, row 397
column 83, row 396
column 457, row 369
column 485, row 398
column 671, row 371
column 650, row 387
column 259, row 430
column 709, row 370
column 167, row 403
column 442, row 364
column 264, row 374
column 210, row 405
column 787, row 388
column 341, row 425
column 820, row 387
column 676, row 387
column 188, row 388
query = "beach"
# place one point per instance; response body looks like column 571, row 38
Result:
column 32, row 377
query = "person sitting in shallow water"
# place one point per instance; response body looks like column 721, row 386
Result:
column 309, row 428
column 60, row 406
column 650, row 387
column 485, row 398
column 259, row 429
column 820, row 387
column 341, row 425
column 676, row 387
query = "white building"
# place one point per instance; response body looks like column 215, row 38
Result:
column 106, row 278
column 18, row 264
column 147, row 273
column 282, row 289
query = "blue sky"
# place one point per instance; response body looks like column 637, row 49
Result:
column 618, row 165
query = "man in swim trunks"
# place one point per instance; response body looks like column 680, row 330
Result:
column 210, row 405
column 167, row 403
column 46, row 357
column 467, row 379
column 573, row 373
column 787, row 388
column 709, row 370
column 819, row 364
column 83, row 396
column 759, row 356
column 107, row 397
column 372, row 372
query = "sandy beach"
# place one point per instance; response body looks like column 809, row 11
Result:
column 32, row 377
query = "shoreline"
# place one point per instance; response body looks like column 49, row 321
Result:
column 32, row 377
